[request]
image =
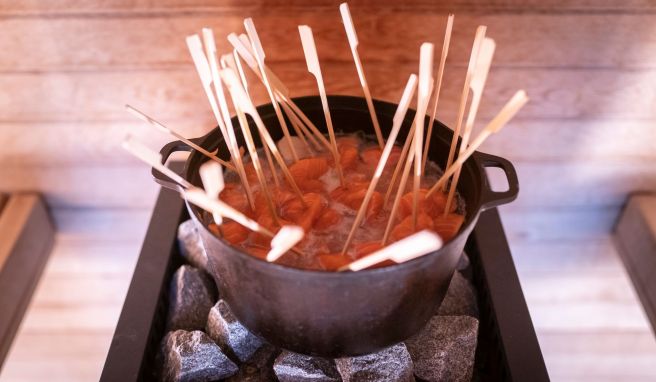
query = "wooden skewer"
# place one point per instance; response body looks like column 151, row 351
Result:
column 246, row 105
column 285, row 239
column 260, row 56
column 478, row 39
column 299, row 127
column 177, row 135
column 399, row 164
column 399, row 193
column 211, row 175
column 477, row 85
column 204, row 72
column 438, row 87
column 154, row 159
column 396, row 126
column 193, row 194
column 241, row 45
column 353, row 42
column 312, row 59
column 423, row 97
column 506, row 114
column 240, row 70
column 411, row 247
column 199, row 198
column 210, row 47
column 228, row 61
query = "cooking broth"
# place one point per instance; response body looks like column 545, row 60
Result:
column 331, row 206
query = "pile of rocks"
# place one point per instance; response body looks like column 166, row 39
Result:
column 205, row 342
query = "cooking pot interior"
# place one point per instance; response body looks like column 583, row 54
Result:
column 350, row 115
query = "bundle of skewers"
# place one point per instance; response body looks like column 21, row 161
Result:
column 321, row 200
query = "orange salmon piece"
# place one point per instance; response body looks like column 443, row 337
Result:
column 309, row 168
column 363, row 249
column 332, row 262
column 371, row 156
column 257, row 251
column 448, row 226
column 294, row 211
column 235, row 198
column 433, row 205
column 404, row 228
column 353, row 196
column 232, row 232
column 328, row 218
column 347, row 141
column 348, row 157
column 310, row 185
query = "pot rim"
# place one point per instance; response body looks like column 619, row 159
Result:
column 344, row 102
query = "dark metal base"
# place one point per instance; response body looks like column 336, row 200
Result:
column 508, row 349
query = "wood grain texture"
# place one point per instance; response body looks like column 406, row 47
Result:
column 572, row 184
column 177, row 94
column 97, row 143
column 67, row 7
column 146, row 42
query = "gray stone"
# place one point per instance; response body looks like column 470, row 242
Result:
column 460, row 299
column 230, row 334
column 259, row 368
column 444, row 349
column 293, row 367
column 193, row 356
column 463, row 262
column 191, row 296
column 392, row 364
column 191, row 246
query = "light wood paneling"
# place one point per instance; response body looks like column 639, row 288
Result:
column 147, row 42
column 103, row 7
column 177, row 94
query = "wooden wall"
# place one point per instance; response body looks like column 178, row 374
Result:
column 587, row 138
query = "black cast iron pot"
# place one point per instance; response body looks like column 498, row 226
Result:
column 341, row 314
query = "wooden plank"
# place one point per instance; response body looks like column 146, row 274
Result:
column 571, row 184
column 617, row 355
column 67, row 7
column 26, row 238
column 154, row 42
column 177, row 94
column 97, row 143
column 635, row 236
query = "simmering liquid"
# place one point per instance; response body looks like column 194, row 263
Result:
column 331, row 206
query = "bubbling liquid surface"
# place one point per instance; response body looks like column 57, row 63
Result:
column 332, row 206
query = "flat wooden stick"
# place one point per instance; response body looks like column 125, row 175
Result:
column 246, row 105
column 258, row 68
column 312, row 60
column 152, row 122
column 199, row 198
column 154, row 159
column 411, row 247
column 211, row 175
column 260, row 56
column 241, row 45
column 423, row 97
column 204, row 72
column 228, row 61
column 478, row 40
column 353, row 42
column 301, row 131
column 399, row 193
column 286, row 238
column 477, row 85
column 438, row 87
column 397, row 121
column 399, row 164
column 210, row 47
column 506, row 114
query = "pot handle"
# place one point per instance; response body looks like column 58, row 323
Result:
column 491, row 199
column 165, row 153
